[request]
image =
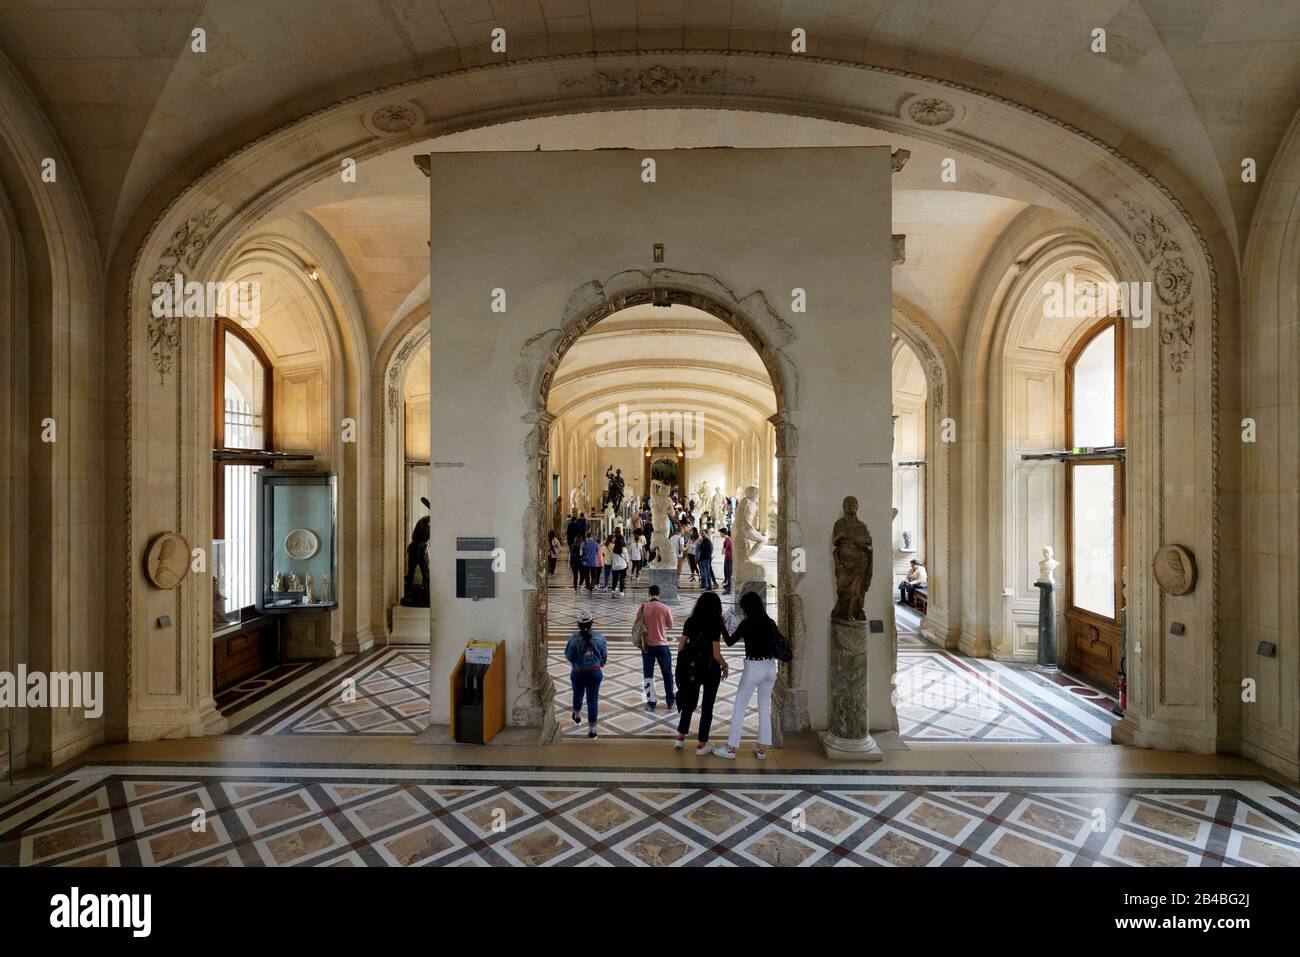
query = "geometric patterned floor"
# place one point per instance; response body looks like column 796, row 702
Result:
column 144, row 815
column 942, row 697
column 947, row 697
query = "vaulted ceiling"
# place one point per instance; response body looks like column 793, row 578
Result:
column 1196, row 84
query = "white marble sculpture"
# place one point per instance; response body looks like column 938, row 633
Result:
column 579, row 502
column 750, row 538
column 1047, row 567
column 718, row 506
column 308, row 592
column 660, row 503
column 702, row 495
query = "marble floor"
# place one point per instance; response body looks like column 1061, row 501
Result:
column 943, row 697
column 106, row 813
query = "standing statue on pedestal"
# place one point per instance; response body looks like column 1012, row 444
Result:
column 750, row 538
column 616, row 486
column 579, row 501
column 660, row 505
column 416, row 595
column 851, row 548
column 718, row 507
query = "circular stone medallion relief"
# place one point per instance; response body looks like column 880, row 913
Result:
column 301, row 544
column 1175, row 570
column 167, row 560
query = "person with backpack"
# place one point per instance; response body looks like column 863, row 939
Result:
column 701, row 669
column 655, row 619
column 586, row 653
column 764, row 645
column 590, row 563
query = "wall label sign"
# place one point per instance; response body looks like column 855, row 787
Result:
column 475, row 578
column 475, row 543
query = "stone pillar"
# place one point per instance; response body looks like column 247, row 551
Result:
column 849, row 737
column 1046, row 586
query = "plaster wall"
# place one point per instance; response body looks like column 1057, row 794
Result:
column 558, row 232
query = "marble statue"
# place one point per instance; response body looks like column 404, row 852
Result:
column 1047, row 567
column 295, row 583
column 416, row 594
column 308, row 590
column 325, row 588
column 749, row 537
column 851, row 548
column 660, row 504
column 718, row 506
column 907, row 541
column 279, row 583
column 579, row 500
column 702, row 494
column 609, row 518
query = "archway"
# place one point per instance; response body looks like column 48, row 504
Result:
column 667, row 387
column 789, row 713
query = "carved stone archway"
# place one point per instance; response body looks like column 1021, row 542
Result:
column 789, row 696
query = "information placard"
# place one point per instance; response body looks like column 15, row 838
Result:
column 475, row 578
column 475, row 543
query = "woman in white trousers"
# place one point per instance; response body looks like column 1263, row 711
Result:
column 758, row 632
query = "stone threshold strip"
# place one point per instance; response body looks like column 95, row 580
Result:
column 276, row 814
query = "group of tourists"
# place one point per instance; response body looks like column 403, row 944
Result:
column 605, row 564
column 700, row 667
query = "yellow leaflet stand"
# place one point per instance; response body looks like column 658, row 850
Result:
column 476, row 720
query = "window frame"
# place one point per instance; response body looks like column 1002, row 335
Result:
column 1118, row 516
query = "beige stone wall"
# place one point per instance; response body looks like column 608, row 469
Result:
column 691, row 209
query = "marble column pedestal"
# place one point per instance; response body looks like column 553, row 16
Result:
column 849, row 737
column 410, row 625
column 1046, row 628
column 756, row 583
column 666, row 579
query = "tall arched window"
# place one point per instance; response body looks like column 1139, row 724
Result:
column 241, row 436
column 1095, row 504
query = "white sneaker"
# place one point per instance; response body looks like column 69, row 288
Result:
column 679, row 743
column 722, row 751
column 760, row 753
column 703, row 750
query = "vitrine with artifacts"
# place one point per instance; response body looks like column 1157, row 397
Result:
column 298, row 518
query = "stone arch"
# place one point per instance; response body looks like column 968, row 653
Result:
column 1144, row 223
column 54, row 337
column 389, row 369
column 587, row 307
column 939, row 360
column 1269, row 526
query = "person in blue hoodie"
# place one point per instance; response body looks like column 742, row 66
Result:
column 586, row 653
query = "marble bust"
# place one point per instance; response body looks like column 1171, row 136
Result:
column 851, row 548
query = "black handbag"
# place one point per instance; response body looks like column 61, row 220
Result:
column 783, row 652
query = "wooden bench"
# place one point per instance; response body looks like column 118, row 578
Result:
column 919, row 600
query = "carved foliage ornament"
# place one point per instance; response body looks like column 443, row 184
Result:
column 1173, row 282
column 930, row 111
column 394, row 118
column 180, row 255
column 658, row 80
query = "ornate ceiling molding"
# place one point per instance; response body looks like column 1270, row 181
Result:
column 658, row 80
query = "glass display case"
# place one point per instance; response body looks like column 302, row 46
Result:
column 297, row 514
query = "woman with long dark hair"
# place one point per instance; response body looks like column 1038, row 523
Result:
column 700, row 668
column 759, row 633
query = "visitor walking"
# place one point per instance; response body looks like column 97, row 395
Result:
column 726, row 561
column 705, row 560
column 636, row 553
column 553, row 549
column 586, row 654
column 701, row 669
column 657, row 619
column 759, row 633
column 691, row 546
column 575, row 563
column 590, row 562
column 606, row 560
column 618, row 560
column 676, row 544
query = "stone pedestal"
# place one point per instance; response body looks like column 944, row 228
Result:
column 666, row 579
column 742, row 585
column 849, row 737
column 410, row 625
column 1046, row 627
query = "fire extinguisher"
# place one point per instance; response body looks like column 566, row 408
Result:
column 1120, row 708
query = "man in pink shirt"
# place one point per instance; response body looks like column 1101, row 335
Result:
column 658, row 619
